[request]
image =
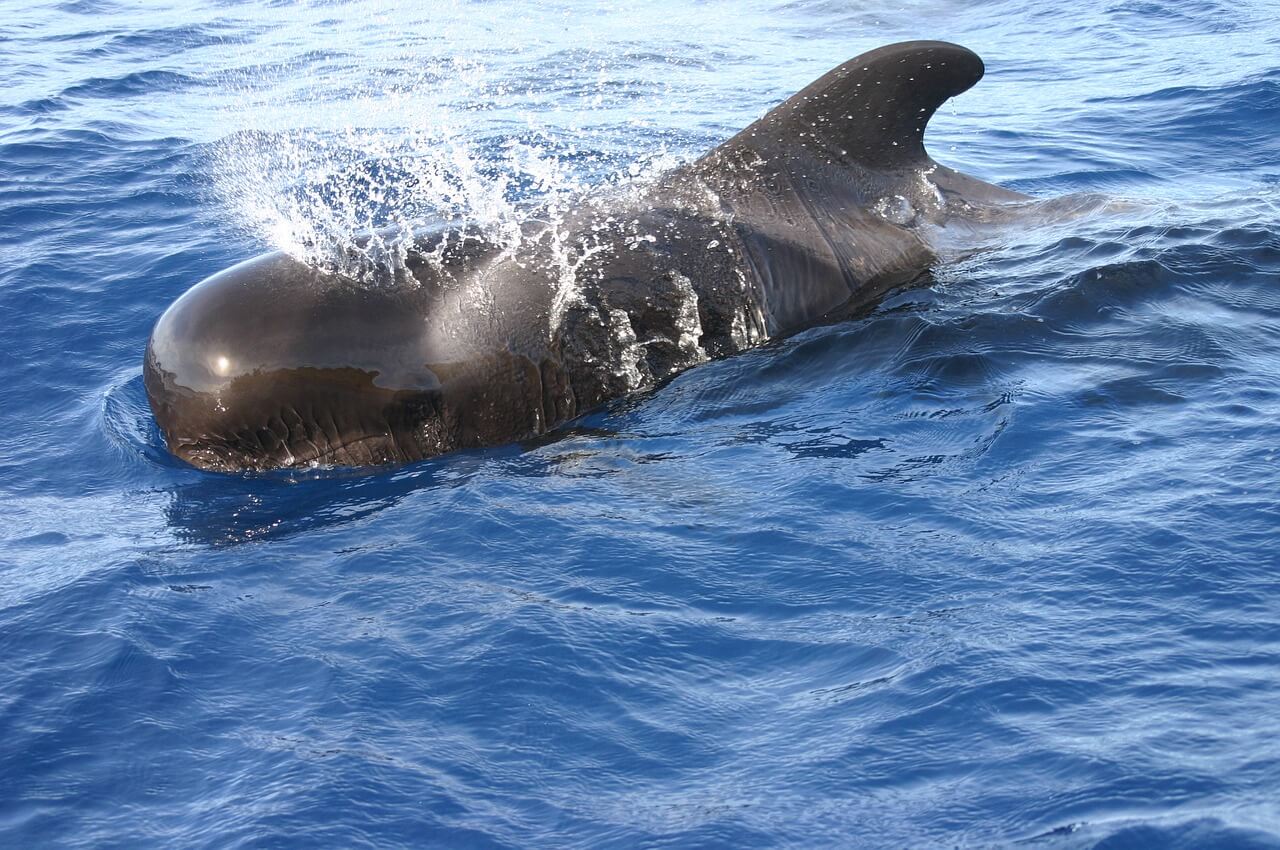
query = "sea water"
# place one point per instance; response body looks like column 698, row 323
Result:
column 994, row 565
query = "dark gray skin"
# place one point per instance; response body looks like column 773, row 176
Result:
column 811, row 213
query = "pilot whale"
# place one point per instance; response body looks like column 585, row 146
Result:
column 809, row 214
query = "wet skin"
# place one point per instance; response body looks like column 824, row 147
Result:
column 810, row 213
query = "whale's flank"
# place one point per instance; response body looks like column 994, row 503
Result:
column 806, row 216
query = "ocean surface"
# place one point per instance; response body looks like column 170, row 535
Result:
column 996, row 565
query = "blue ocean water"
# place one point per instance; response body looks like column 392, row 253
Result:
column 993, row 566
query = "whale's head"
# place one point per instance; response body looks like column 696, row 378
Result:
column 273, row 364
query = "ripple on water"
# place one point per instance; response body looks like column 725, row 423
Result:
column 991, row 565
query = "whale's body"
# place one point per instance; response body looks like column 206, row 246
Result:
column 811, row 212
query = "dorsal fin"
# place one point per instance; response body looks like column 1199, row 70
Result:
column 871, row 110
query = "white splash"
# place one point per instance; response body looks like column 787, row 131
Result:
column 350, row 201
column 343, row 169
